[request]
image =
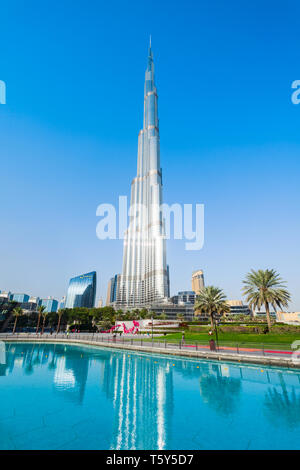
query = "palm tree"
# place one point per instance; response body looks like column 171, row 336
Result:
column 211, row 300
column 44, row 314
column 220, row 393
column 265, row 287
column 17, row 312
column 60, row 314
column 41, row 309
column 283, row 408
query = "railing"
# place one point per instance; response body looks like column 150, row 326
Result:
column 221, row 348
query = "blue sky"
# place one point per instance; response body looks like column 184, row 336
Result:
column 230, row 138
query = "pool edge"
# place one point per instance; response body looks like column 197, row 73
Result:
column 242, row 358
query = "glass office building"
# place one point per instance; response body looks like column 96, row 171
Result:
column 50, row 304
column 20, row 298
column 82, row 291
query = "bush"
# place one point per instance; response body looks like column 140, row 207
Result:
column 243, row 329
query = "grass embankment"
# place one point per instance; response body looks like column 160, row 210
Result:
column 280, row 341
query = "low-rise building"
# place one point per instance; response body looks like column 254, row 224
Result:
column 21, row 298
column 238, row 308
column 288, row 317
column 186, row 297
column 171, row 310
column 5, row 295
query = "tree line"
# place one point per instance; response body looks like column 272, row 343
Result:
column 262, row 288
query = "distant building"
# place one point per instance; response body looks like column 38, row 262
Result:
column 197, row 281
column 168, row 284
column 171, row 310
column 288, row 317
column 5, row 295
column 50, row 304
column 21, row 298
column 238, row 308
column 186, row 297
column 29, row 307
column 263, row 314
column 109, row 291
column 82, row 291
column 62, row 302
column 112, row 289
column 100, row 303
column 34, row 300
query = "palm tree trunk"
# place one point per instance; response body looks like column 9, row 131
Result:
column 38, row 324
column 211, row 319
column 43, row 325
column 268, row 316
column 15, row 324
column 58, row 325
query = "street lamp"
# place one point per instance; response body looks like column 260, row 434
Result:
column 152, row 327
column 216, row 329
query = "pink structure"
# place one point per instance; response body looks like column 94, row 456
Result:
column 134, row 330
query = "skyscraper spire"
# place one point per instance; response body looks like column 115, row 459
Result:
column 150, row 56
column 144, row 279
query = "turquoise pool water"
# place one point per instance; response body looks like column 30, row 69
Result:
column 70, row 397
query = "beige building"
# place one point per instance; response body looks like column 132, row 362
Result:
column 234, row 303
column 288, row 316
column 197, row 281
column 109, row 290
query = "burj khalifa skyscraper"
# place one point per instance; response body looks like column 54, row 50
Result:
column 145, row 276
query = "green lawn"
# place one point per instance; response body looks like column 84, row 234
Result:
column 282, row 341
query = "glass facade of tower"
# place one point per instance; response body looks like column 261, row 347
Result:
column 82, row 291
column 145, row 277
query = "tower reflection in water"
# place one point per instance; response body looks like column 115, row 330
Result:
column 141, row 390
column 71, row 373
column 112, row 399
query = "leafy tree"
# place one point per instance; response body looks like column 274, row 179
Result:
column 143, row 313
column 211, row 300
column 265, row 287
